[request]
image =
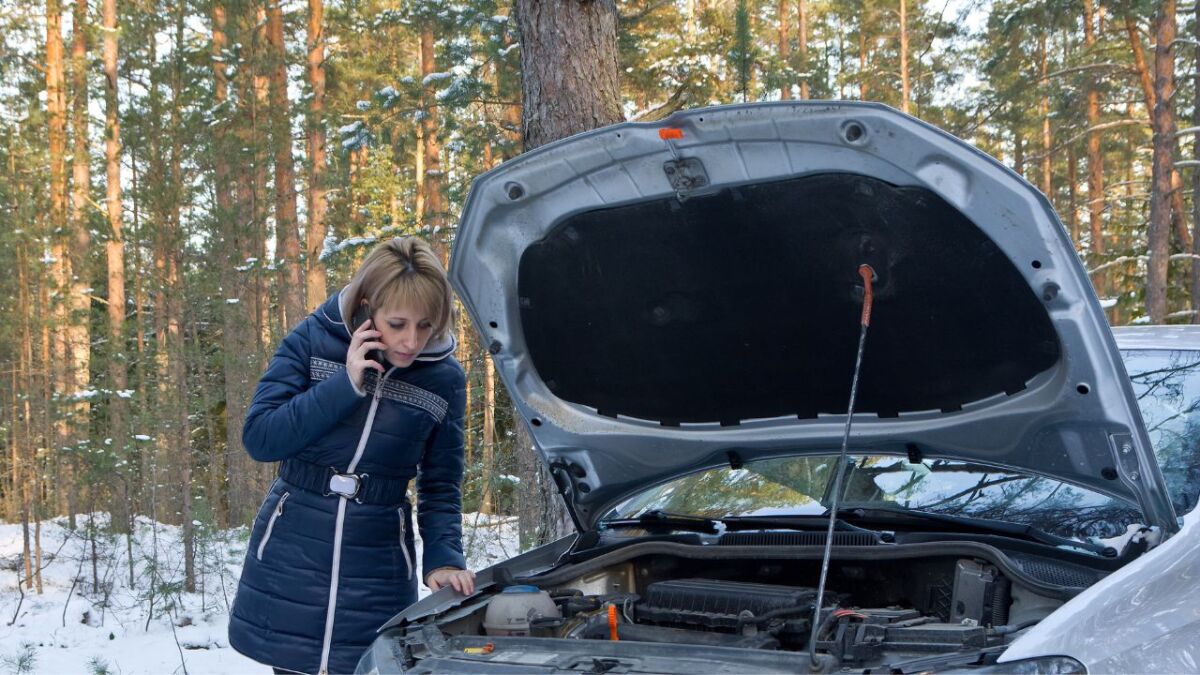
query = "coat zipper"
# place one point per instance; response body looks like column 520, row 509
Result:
column 262, row 545
column 404, row 545
column 331, row 608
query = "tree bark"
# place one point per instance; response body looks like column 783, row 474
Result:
column 1178, row 221
column 1095, row 158
column 315, row 142
column 569, row 68
column 291, row 282
column 57, row 228
column 114, row 248
column 1163, row 120
column 1072, row 199
column 433, row 208
column 863, row 87
column 785, row 48
column 176, row 300
column 569, row 83
column 1195, row 286
column 79, row 251
column 1044, row 110
column 261, row 117
column 240, row 302
column 489, row 435
column 802, row 43
column 904, row 87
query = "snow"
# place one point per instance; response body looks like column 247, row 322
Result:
column 74, row 627
column 332, row 246
column 435, row 77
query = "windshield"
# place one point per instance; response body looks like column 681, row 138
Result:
column 800, row 486
column 1167, row 385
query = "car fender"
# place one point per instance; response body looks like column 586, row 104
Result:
column 1144, row 617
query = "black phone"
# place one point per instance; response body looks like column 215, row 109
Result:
column 360, row 317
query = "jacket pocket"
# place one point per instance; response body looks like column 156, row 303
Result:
column 262, row 545
column 408, row 570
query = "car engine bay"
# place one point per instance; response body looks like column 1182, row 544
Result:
column 878, row 612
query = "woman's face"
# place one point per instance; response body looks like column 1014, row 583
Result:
column 405, row 330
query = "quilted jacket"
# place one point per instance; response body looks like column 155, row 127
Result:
column 322, row 573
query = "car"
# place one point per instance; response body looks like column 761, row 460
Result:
column 683, row 312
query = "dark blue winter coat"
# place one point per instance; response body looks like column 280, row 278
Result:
column 289, row 604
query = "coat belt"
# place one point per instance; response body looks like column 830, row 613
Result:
column 325, row 480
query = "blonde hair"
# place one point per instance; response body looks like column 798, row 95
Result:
column 404, row 272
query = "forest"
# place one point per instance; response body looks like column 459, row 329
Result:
column 182, row 181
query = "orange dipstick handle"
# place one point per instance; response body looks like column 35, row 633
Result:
column 867, row 273
column 612, row 623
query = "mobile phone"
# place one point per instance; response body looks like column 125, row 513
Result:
column 360, row 316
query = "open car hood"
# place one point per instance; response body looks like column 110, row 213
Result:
column 667, row 297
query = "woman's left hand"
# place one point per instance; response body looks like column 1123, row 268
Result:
column 462, row 581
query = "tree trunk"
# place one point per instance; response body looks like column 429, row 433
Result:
column 25, row 466
column 863, row 88
column 79, row 250
column 1095, row 158
column 1018, row 151
column 260, row 122
column 785, row 48
column 802, row 43
column 118, row 379
column 569, row 84
column 1163, row 122
column 1072, row 199
column 233, row 293
column 176, row 300
column 315, row 143
column 433, row 208
column 240, row 303
column 904, row 87
column 1044, row 110
column 1178, row 220
column 489, row 435
column 60, row 266
column 569, row 68
column 1195, row 288
column 287, row 228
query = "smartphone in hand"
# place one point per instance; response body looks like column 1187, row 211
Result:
column 360, row 317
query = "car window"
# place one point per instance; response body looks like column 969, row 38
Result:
column 799, row 486
column 1167, row 386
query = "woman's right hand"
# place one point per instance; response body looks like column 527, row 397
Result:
column 362, row 342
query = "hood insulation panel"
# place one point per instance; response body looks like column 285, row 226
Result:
column 745, row 303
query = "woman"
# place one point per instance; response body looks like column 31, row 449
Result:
column 330, row 555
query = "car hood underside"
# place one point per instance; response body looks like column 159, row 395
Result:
column 662, row 298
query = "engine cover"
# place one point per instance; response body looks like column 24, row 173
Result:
column 718, row 604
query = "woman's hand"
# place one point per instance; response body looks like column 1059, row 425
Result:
column 361, row 343
column 462, row 581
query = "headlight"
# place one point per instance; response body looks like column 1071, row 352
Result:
column 1043, row 665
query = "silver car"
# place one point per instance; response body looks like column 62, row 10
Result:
column 676, row 310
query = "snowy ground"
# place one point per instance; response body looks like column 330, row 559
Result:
column 77, row 626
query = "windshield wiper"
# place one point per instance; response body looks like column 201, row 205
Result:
column 665, row 520
column 985, row 525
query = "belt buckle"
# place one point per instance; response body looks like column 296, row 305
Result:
column 348, row 485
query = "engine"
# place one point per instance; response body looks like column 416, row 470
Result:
column 881, row 609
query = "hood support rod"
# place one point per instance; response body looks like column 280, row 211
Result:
column 868, row 274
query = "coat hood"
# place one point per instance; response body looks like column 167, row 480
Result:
column 665, row 297
column 337, row 311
